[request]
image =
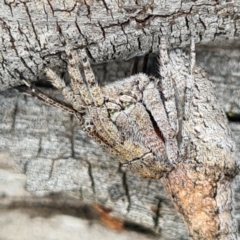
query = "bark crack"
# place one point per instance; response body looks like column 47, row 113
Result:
column 14, row 114
column 39, row 147
column 51, row 7
column 9, row 5
column 22, row 33
column 158, row 213
column 25, row 65
column 107, row 8
column 103, row 31
column 31, row 22
column 88, row 10
column 125, row 186
column 91, row 176
column 72, row 136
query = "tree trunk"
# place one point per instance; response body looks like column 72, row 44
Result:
column 47, row 145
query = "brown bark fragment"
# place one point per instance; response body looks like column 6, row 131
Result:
column 193, row 190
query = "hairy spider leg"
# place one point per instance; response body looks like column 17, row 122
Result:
column 105, row 128
column 153, row 102
column 81, row 96
column 66, row 90
column 164, row 110
column 188, row 98
column 167, row 85
column 50, row 101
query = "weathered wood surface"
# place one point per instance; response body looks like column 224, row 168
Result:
column 33, row 34
column 45, row 144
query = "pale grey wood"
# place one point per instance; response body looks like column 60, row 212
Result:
column 33, row 34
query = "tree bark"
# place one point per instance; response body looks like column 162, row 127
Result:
column 34, row 33
column 45, row 144
column 48, row 146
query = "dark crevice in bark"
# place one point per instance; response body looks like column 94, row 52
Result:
column 2, row 64
column 72, row 136
column 139, row 44
column 103, row 31
column 106, row 6
column 51, row 7
column 32, row 24
column 25, row 64
column 158, row 213
column 125, row 186
column 89, row 54
column 91, row 176
column 88, row 9
column 114, row 49
column 39, row 147
column 22, row 33
column 9, row 5
column 202, row 22
column 141, row 229
column 51, row 170
column 10, row 74
column 79, row 30
column 233, row 118
column 12, row 40
column 14, row 114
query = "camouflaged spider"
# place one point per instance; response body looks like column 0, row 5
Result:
column 171, row 127
column 135, row 119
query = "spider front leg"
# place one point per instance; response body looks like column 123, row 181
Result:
column 162, row 105
column 168, row 89
column 105, row 131
column 154, row 104
column 188, row 98
column 82, row 97
column 49, row 100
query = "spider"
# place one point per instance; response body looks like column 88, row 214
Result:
column 138, row 119
column 169, row 127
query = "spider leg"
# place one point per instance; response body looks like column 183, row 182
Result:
column 43, row 97
column 48, row 100
column 80, row 92
column 168, row 87
column 104, row 127
column 92, row 84
column 189, row 82
column 163, row 109
column 153, row 102
column 66, row 90
column 188, row 98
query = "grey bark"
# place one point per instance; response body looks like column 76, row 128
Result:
column 47, row 145
column 34, row 34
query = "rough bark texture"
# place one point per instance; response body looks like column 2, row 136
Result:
column 45, row 143
column 33, row 34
